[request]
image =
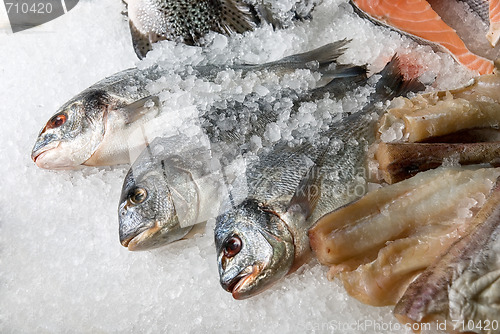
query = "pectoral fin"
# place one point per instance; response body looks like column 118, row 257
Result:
column 308, row 193
column 139, row 108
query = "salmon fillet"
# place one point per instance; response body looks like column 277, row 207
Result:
column 417, row 17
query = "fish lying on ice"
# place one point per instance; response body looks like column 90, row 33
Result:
column 94, row 127
column 179, row 181
column 187, row 21
column 283, row 191
column 463, row 286
column 418, row 18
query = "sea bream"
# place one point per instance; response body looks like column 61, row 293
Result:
column 187, row 21
column 284, row 190
column 95, row 127
column 178, row 182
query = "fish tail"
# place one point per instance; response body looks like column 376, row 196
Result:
column 393, row 83
column 324, row 55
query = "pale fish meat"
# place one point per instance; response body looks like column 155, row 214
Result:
column 463, row 286
column 378, row 244
column 437, row 114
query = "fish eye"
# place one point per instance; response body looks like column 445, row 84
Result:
column 138, row 196
column 232, row 246
column 57, row 121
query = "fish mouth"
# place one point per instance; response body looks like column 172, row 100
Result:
column 38, row 155
column 240, row 281
column 133, row 243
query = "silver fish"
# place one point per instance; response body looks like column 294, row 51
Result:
column 264, row 236
column 179, row 180
column 94, row 127
column 187, row 21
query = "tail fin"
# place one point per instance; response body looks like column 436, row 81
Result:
column 345, row 79
column 324, row 55
column 393, row 84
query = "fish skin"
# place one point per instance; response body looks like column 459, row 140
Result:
column 186, row 21
column 294, row 186
column 179, row 174
column 101, row 119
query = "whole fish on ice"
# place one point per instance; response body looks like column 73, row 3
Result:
column 179, row 181
column 283, row 191
column 187, row 21
column 95, row 127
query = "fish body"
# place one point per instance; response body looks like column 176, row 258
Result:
column 286, row 189
column 185, row 177
column 95, row 127
column 187, row 21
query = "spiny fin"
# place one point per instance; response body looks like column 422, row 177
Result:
column 140, row 41
column 392, row 82
column 307, row 193
column 237, row 16
column 137, row 109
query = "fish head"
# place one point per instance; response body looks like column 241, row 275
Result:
column 254, row 249
column 73, row 133
column 147, row 212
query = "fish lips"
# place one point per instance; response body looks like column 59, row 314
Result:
column 239, row 285
column 40, row 150
column 136, row 241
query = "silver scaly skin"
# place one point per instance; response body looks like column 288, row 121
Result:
column 94, row 127
column 182, row 176
column 264, row 236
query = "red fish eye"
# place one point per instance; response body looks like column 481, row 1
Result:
column 232, row 246
column 57, row 121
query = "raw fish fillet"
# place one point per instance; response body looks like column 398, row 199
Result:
column 378, row 244
column 417, row 18
column 441, row 113
column 463, row 286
